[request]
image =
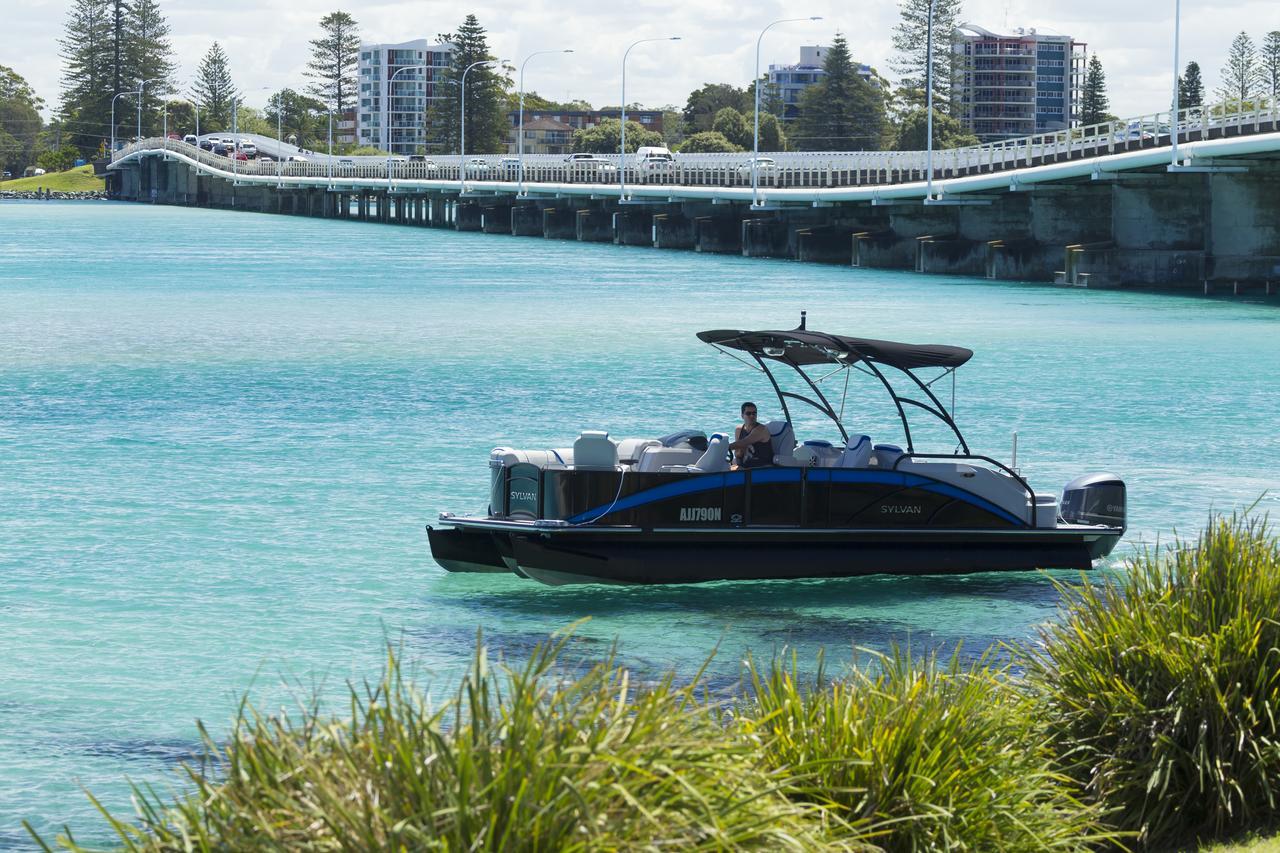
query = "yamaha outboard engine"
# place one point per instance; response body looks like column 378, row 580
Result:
column 1094, row 499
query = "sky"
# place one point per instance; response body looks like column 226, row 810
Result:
column 267, row 40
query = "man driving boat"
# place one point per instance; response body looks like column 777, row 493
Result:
column 752, row 447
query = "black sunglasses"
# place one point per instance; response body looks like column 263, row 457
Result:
column 752, row 413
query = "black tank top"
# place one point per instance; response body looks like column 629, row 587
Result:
column 758, row 454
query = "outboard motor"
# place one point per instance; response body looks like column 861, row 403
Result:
column 1094, row 499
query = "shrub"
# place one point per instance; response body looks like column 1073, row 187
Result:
column 915, row 755
column 1162, row 687
column 518, row 760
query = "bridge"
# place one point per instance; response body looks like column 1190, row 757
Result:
column 1107, row 205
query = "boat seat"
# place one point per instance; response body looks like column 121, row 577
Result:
column 685, row 436
column 886, row 454
column 594, row 449
column 857, row 452
column 816, row 454
column 629, row 449
column 783, row 439
column 657, row 458
column 716, row 457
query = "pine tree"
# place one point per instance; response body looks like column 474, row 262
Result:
column 910, row 37
column 149, row 56
column 1094, row 107
column 213, row 89
column 1271, row 64
column 1240, row 75
column 86, row 73
column 842, row 112
column 1191, row 87
column 333, row 61
column 487, row 123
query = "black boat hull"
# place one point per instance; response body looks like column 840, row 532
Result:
column 624, row 557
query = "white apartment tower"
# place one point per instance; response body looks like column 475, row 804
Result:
column 392, row 113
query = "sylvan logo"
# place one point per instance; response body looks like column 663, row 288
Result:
column 699, row 513
column 524, row 496
column 901, row 509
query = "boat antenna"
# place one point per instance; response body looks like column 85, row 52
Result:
column 802, row 320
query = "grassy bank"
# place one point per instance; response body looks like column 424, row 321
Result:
column 79, row 179
column 1146, row 717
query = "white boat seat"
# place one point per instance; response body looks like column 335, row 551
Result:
column 857, row 452
column 716, row 457
column 658, row 458
column 594, row 449
column 783, row 439
column 629, row 449
column 675, row 439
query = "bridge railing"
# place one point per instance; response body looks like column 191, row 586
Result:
column 782, row 169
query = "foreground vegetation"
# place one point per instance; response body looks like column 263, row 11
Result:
column 1145, row 718
column 80, row 179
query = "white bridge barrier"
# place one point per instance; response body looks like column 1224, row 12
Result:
column 786, row 169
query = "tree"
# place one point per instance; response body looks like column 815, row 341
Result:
column 486, row 94
column 708, row 142
column 1241, row 76
column 1191, row 87
column 149, row 56
column 58, row 159
column 213, row 89
column 20, row 122
column 948, row 132
column 1094, row 105
column 603, row 138
column 672, row 126
column 305, row 119
column 333, row 61
column 703, row 104
column 87, row 72
column 1270, row 64
column 772, row 137
column 843, row 111
column 911, row 42
column 182, row 117
column 733, row 126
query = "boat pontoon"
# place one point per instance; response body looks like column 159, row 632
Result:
column 674, row 510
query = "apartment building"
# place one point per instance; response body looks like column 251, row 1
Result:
column 790, row 81
column 397, row 83
column 1018, row 84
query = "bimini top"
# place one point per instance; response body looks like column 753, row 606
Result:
column 801, row 347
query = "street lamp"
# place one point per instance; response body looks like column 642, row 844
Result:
column 142, row 85
column 928, row 100
column 113, row 115
column 387, row 106
column 520, row 125
column 622, row 139
column 462, row 126
column 1173, row 119
column 755, row 148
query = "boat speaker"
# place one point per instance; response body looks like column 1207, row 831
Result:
column 1094, row 499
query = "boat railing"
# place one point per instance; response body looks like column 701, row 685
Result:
column 1031, row 495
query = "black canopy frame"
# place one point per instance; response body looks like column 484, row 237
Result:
column 800, row 347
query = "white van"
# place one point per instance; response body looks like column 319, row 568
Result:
column 655, row 160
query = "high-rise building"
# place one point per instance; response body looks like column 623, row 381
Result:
column 392, row 114
column 790, row 81
column 1015, row 85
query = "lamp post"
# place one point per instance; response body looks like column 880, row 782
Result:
column 622, row 137
column 1173, row 119
column 387, row 125
column 113, row 116
column 520, row 124
column 142, row 85
column 329, row 158
column 462, row 124
column 755, row 148
column 928, row 99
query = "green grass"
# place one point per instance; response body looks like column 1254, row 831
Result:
column 1162, row 689
column 79, row 179
column 1147, row 718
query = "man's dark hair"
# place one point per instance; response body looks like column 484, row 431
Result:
column 748, row 403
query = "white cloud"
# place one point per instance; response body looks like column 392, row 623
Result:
column 267, row 39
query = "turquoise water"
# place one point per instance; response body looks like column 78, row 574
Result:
column 221, row 435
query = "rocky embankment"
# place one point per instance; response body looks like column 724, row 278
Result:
column 50, row 194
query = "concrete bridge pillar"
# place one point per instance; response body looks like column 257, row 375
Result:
column 594, row 225
column 633, row 226
column 765, row 238
column 560, row 223
column 467, row 216
column 720, row 234
column 526, row 220
column 824, row 244
column 438, row 213
column 672, row 231
column 1244, row 227
column 496, row 219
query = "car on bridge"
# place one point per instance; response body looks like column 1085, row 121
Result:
column 655, row 161
column 584, row 166
column 422, row 164
column 766, row 170
column 477, row 167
